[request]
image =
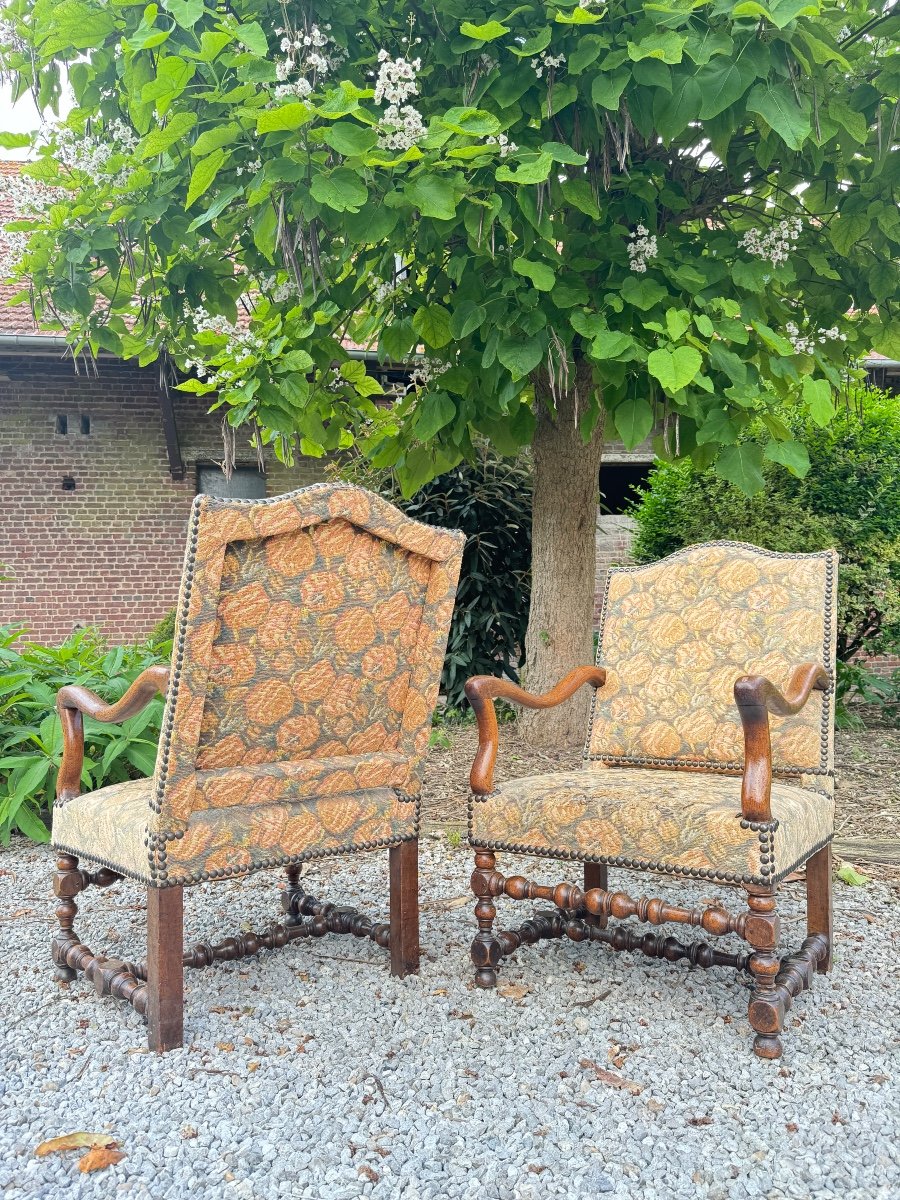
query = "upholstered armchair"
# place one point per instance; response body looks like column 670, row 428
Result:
column 709, row 756
column 309, row 640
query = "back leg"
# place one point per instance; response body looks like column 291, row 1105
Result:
column 67, row 883
column 818, row 901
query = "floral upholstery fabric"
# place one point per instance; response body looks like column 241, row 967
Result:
column 676, row 635
column 111, row 827
column 679, row 822
column 309, row 641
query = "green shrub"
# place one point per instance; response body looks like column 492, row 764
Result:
column 850, row 499
column 489, row 499
column 30, row 733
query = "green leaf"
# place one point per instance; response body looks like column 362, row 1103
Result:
column 434, row 412
column 634, row 421
column 580, row 194
column 286, row 116
column 14, row 141
column 534, row 170
column 818, row 400
column 742, row 466
column 159, row 140
column 778, row 107
column 350, row 139
column 473, row 122
column 718, row 429
column 203, row 175
column 488, row 32
column 466, row 319
column 342, row 190
column 678, row 321
column 520, row 358
column 541, row 274
column 218, row 205
column 674, row 368
column 666, row 46
column 433, row 196
column 606, row 90
column 883, row 281
column 721, row 84
column 847, row 230
column 848, row 874
column 432, row 324
column 642, row 292
column 562, row 153
column 212, row 139
column 186, row 13
column 790, row 454
column 253, row 37
column 212, row 45
column 673, row 114
column 610, row 343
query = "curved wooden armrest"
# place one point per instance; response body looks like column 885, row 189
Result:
column 482, row 690
column 72, row 701
column 757, row 697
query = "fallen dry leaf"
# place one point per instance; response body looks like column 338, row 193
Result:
column 225, row 1045
column 368, row 1173
column 612, row 1079
column 513, row 991
column 792, row 1127
column 701, row 1120
column 655, row 1106
column 100, row 1157
column 74, row 1141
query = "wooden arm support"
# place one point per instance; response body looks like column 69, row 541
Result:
column 72, row 701
column 757, row 697
column 482, row 690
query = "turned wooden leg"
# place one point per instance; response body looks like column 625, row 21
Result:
column 67, row 883
column 165, row 976
column 486, row 948
column 595, row 877
column 766, row 1010
column 818, row 901
column 404, row 943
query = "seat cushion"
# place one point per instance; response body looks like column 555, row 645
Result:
column 678, row 822
column 112, row 827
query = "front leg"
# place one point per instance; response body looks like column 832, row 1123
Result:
column 486, row 948
column 766, row 1012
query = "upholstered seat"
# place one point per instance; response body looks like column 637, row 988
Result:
column 675, row 822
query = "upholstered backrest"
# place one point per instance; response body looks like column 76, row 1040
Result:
column 309, row 641
column 676, row 634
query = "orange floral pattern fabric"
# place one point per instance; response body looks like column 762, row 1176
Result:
column 309, row 641
column 676, row 635
column 682, row 822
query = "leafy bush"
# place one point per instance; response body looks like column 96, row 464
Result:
column 849, row 499
column 489, row 499
column 30, row 733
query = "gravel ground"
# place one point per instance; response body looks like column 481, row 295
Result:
column 309, row 1072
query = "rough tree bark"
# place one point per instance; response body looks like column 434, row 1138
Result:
column 564, row 555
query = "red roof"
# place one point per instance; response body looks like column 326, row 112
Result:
column 17, row 319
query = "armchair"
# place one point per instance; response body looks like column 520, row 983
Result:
column 309, row 641
column 697, row 765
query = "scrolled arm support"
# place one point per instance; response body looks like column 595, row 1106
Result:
column 482, row 690
column 72, row 701
column 757, row 697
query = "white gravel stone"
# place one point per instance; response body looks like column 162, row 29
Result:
column 310, row 1072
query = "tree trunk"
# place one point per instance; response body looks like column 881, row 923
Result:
column 564, row 556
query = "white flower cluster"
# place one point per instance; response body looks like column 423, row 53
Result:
column 21, row 197
column 309, row 55
column 641, row 249
column 251, row 167
column 547, row 62
column 278, row 292
column 776, row 244
column 501, row 140
column 241, row 343
column 805, row 343
column 426, row 371
column 401, row 125
column 12, row 247
column 84, row 152
column 387, row 288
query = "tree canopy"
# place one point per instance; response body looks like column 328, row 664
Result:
column 693, row 197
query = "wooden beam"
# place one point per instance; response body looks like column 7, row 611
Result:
column 170, row 430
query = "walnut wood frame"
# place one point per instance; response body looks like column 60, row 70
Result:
column 155, row 987
column 582, row 914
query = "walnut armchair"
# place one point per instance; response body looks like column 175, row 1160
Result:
column 710, row 755
column 309, row 640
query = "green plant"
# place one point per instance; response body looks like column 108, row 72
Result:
column 30, row 733
column 489, row 499
column 850, row 499
column 622, row 212
column 454, row 839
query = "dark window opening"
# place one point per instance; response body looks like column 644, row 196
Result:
column 62, row 423
column 246, row 483
column 85, row 423
column 617, row 483
column 68, row 483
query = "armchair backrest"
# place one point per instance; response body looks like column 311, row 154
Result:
column 676, row 634
column 309, row 641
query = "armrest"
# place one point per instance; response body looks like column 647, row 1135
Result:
column 72, row 701
column 756, row 697
column 482, row 690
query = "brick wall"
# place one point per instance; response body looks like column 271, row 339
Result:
column 110, row 552
column 614, row 537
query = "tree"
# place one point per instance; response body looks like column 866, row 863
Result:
column 588, row 216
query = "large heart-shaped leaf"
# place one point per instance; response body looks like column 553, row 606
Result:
column 674, row 368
